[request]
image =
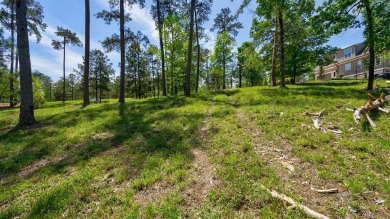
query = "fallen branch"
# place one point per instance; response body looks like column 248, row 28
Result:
column 335, row 190
column 383, row 110
column 319, row 114
column 372, row 123
column 293, row 204
column 317, row 123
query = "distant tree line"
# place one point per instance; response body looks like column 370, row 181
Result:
column 289, row 40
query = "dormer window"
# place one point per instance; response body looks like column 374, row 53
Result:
column 348, row 53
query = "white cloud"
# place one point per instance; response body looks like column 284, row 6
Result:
column 142, row 17
column 50, row 61
column 211, row 42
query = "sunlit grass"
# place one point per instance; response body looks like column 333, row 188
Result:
column 96, row 162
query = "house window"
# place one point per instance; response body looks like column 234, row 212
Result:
column 348, row 53
column 348, row 67
column 359, row 65
column 377, row 60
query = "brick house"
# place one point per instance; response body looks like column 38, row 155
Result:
column 351, row 62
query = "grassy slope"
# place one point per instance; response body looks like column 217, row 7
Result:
column 138, row 159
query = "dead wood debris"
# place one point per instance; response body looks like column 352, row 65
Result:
column 333, row 190
column 294, row 204
column 372, row 104
column 318, row 125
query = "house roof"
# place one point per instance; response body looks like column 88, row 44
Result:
column 360, row 47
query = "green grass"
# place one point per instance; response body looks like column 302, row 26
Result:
column 96, row 161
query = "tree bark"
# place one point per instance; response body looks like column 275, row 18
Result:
column 198, row 56
column 122, row 37
column 282, row 59
column 16, row 61
column 172, row 87
column 274, row 56
column 371, row 44
column 139, row 77
column 158, row 84
column 224, row 69
column 100, row 85
column 26, row 115
column 63, row 87
column 153, row 76
column 189, row 55
column 96, row 88
column 160, row 23
column 239, row 75
column 86, row 54
column 11, row 71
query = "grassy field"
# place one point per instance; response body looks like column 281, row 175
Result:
column 208, row 156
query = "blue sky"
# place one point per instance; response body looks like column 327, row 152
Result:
column 70, row 14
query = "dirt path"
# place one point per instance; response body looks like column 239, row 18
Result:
column 202, row 172
column 297, row 176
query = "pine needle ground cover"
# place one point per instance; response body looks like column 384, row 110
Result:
column 208, row 156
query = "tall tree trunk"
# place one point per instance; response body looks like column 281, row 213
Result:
column 11, row 71
column 86, row 54
column 282, row 59
column 274, row 56
column 207, row 76
column 122, row 38
column 160, row 23
column 100, row 86
column 172, row 65
column 153, row 76
column 189, row 55
column 158, row 84
column 294, row 73
column 198, row 56
column 139, row 78
column 26, row 115
column 63, row 87
column 224, row 70
column 96, row 88
column 371, row 44
column 231, row 80
column 239, row 75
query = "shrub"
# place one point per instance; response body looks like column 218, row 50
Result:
column 38, row 93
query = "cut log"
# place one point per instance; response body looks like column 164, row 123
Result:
column 293, row 204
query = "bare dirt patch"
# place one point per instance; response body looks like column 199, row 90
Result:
column 202, row 172
column 103, row 136
column 152, row 194
column 30, row 169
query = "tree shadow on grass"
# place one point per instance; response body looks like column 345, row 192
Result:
column 140, row 129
